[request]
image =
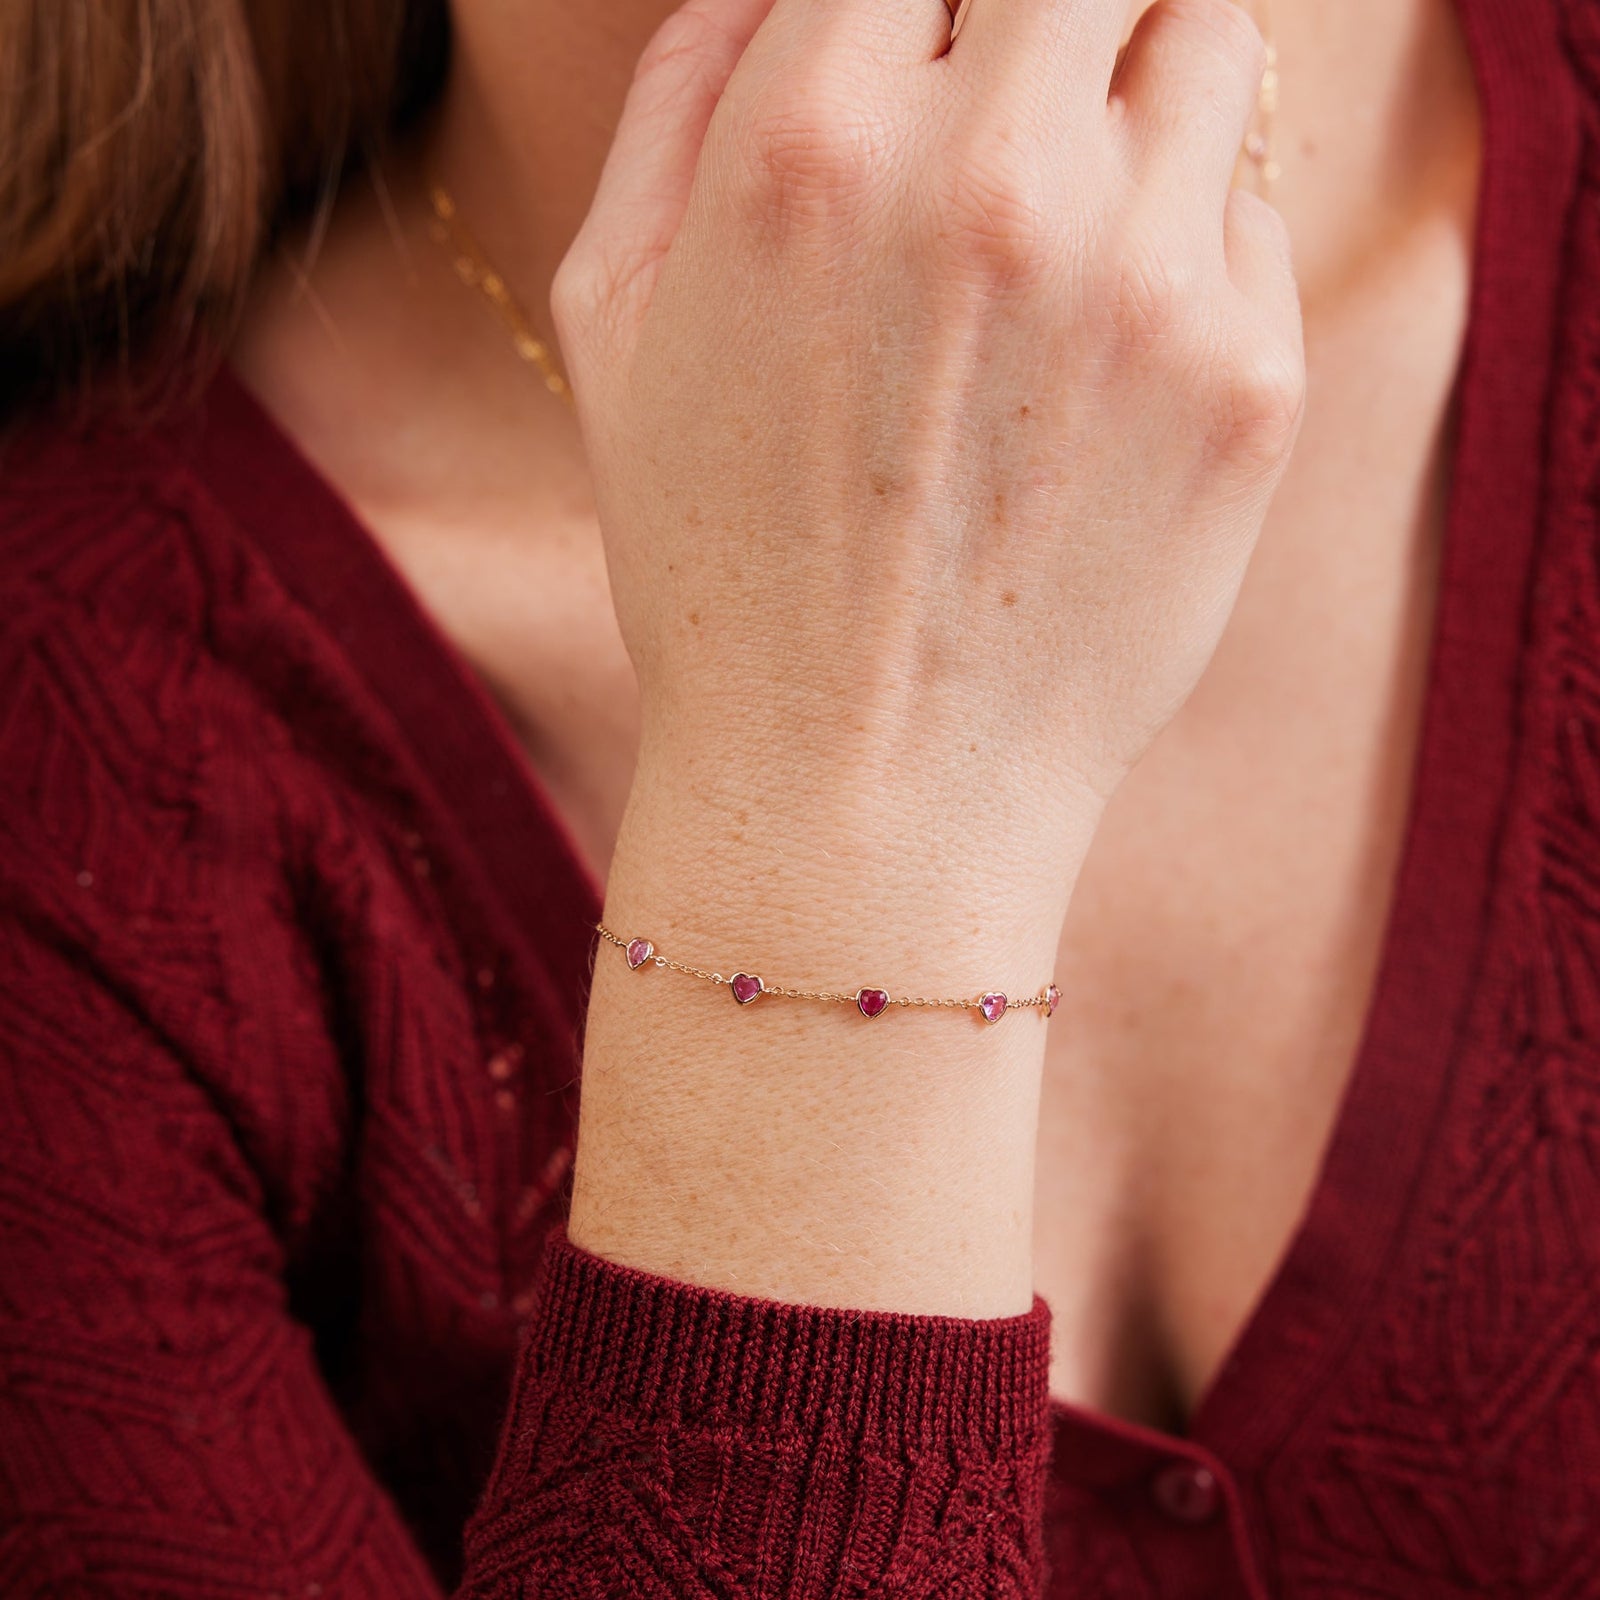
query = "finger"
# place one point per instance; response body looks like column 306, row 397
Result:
column 1188, row 87
column 1272, row 333
column 866, row 35
column 643, row 188
column 1068, row 44
column 1259, row 260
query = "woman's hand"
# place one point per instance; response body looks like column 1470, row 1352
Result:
column 933, row 403
column 933, row 400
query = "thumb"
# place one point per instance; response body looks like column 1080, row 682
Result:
column 643, row 188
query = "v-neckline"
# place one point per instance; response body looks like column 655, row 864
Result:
column 1353, row 1222
column 545, row 898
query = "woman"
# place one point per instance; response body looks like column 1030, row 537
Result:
column 878, row 628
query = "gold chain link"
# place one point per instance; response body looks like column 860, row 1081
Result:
column 475, row 270
column 1261, row 145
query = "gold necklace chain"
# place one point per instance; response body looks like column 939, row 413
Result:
column 475, row 269
column 1261, row 143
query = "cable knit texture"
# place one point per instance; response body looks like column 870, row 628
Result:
column 294, row 963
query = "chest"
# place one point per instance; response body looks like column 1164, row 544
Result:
column 1221, row 950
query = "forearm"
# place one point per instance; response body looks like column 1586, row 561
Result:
column 797, row 1150
column 964, row 513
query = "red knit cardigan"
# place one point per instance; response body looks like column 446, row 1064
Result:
column 293, row 959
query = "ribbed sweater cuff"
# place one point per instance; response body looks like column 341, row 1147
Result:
column 672, row 1351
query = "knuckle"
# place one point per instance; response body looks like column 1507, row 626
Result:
column 994, row 212
column 591, row 296
column 1155, row 306
column 576, row 292
column 805, row 157
column 1263, row 401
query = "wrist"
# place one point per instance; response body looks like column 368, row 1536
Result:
column 743, row 839
column 794, row 1149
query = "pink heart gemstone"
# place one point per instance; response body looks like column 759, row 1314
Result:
column 1052, row 998
column 746, row 986
column 639, row 952
column 872, row 1001
column 993, row 1007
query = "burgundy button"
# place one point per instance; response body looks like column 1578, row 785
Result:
column 1187, row 1491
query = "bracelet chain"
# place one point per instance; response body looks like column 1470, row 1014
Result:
column 1046, row 999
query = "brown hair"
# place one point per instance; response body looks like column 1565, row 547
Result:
column 149, row 149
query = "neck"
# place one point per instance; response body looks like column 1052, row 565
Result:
column 525, row 120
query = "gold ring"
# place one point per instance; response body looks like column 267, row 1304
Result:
column 958, row 12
